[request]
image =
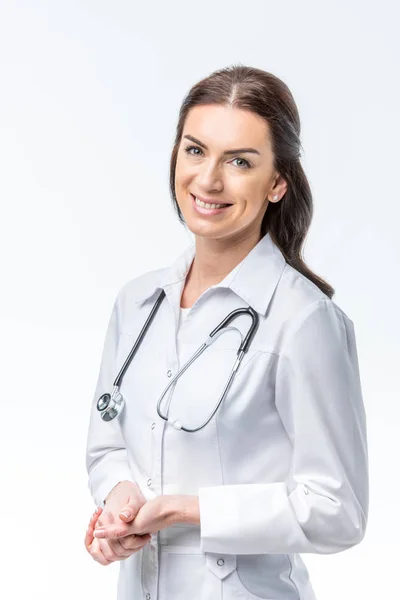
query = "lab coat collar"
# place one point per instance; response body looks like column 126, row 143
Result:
column 254, row 279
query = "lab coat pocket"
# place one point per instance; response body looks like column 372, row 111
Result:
column 183, row 575
column 224, row 567
column 261, row 577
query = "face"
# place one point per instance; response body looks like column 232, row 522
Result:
column 225, row 157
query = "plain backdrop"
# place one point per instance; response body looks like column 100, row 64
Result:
column 89, row 97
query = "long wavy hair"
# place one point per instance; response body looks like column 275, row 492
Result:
column 248, row 88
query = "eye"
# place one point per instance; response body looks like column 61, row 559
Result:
column 189, row 148
column 245, row 161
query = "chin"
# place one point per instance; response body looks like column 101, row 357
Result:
column 208, row 231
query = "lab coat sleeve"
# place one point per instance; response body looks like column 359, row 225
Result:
column 106, row 454
column 321, row 507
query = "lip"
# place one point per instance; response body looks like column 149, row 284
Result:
column 208, row 211
column 209, row 200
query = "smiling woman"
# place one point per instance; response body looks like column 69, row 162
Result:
column 214, row 171
column 280, row 467
column 238, row 142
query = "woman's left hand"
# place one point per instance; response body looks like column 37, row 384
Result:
column 156, row 514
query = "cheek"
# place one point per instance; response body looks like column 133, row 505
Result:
column 254, row 192
column 183, row 172
column 244, row 185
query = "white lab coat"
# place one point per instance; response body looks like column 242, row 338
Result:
column 282, row 467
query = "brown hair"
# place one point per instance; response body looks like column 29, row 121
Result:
column 288, row 220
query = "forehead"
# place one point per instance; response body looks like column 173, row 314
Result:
column 227, row 127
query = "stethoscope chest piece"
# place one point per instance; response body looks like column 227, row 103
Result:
column 110, row 405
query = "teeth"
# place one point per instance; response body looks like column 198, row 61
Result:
column 208, row 205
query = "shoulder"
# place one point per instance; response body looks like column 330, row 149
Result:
column 136, row 289
column 298, row 299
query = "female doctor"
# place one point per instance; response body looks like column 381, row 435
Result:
column 210, row 486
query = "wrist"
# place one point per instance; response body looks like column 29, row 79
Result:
column 188, row 510
column 127, row 483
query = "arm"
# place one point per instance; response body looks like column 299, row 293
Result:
column 322, row 505
column 186, row 510
column 106, row 455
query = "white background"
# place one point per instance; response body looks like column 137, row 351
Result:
column 89, row 98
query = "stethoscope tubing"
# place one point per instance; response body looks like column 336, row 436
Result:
column 112, row 405
column 124, row 368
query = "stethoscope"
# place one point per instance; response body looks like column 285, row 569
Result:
column 111, row 405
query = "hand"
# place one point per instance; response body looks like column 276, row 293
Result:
column 154, row 515
column 89, row 532
column 125, row 495
column 91, row 544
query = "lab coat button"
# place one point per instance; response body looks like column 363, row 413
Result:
column 153, row 425
column 148, row 596
column 149, row 482
column 169, row 372
column 220, row 562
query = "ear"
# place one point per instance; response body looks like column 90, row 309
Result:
column 278, row 190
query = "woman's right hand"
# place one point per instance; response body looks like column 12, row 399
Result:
column 107, row 551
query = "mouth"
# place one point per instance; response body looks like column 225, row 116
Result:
column 209, row 208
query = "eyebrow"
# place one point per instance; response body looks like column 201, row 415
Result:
column 237, row 151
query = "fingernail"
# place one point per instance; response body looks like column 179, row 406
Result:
column 126, row 514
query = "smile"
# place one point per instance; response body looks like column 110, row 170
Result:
column 208, row 208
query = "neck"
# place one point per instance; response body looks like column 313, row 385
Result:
column 214, row 259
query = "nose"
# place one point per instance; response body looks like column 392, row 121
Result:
column 210, row 178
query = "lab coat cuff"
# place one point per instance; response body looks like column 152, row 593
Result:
column 249, row 519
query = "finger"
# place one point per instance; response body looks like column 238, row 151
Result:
column 89, row 532
column 120, row 552
column 127, row 546
column 132, row 542
column 103, row 551
column 95, row 516
column 104, row 546
column 105, row 519
column 89, row 537
column 113, row 531
column 97, row 554
column 130, row 510
column 108, row 551
column 128, row 513
column 113, row 550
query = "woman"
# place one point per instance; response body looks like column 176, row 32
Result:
column 281, row 468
